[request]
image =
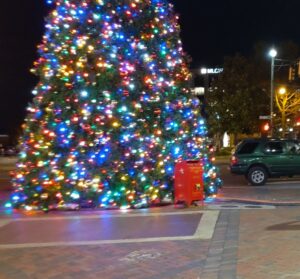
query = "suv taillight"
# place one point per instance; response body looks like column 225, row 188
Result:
column 234, row 160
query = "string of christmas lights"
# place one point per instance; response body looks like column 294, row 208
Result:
column 112, row 112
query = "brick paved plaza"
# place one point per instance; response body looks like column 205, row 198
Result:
column 242, row 243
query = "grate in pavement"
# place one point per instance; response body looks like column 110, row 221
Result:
column 239, row 206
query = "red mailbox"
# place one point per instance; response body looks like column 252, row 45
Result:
column 189, row 186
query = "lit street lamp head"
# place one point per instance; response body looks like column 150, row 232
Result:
column 282, row 90
column 273, row 53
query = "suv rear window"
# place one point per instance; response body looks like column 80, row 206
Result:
column 293, row 147
column 247, row 147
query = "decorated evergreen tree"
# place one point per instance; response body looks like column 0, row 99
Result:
column 112, row 112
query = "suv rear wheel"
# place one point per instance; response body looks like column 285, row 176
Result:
column 257, row 176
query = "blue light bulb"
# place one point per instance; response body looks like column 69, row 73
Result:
column 84, row 94
column 75, row 195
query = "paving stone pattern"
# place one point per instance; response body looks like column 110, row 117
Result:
column 269, row 245
column 190, row 259
column 221, row 261
column 247, row 244
column 176, row 259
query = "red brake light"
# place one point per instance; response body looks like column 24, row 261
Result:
column 234, row 160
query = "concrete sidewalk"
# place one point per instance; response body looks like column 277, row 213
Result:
column 278, row 192
column 163, row 257
column 246, row 244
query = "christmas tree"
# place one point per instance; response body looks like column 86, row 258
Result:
column 112, row 112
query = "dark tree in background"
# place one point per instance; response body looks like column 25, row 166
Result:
column 237, row 99
column 242, row 92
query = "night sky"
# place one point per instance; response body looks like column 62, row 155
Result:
column 211, row 29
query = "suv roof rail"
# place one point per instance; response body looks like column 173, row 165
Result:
column 265, row 138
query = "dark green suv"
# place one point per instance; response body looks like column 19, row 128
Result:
column 259, row 159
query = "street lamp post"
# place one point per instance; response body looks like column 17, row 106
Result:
column 281, row 100
column 273, row 54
